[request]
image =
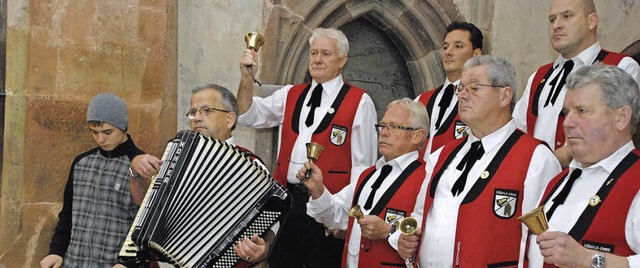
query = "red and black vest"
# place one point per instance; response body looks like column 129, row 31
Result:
column 333, row 133
column 601, row 226
column 537, row 84
column 488, row 232
column 447, row 131
column 399, row 199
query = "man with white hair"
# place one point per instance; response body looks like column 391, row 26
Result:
column 328, row 111
column 385, row 192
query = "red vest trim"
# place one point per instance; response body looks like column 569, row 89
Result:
column 538, row 82
column 448, row 130
column 377, row 253
column 333, row 133
column 602, row 227
column 492, row 205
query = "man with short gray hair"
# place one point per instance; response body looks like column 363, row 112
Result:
column 481, row 184
column 594, row 212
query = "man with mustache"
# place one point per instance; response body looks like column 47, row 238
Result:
column 385, row 192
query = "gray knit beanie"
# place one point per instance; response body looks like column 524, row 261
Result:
column 108, row 108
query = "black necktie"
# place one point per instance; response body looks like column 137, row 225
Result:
column 562, row 196
column 314, row 102
column 444, row 103
column 475, row 152
column 556, row 86
column 386, row 169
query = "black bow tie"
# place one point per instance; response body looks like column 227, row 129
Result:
column 475, row 152
column 444, row 103
column 314, row 102
column 562, row 195
column 556, row 86
column 386, row 169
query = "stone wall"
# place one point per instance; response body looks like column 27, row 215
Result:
column 59, row 55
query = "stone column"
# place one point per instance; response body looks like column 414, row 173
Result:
column 59, row 55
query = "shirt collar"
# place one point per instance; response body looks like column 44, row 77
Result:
column 331, row 87
column 609, row 163
column 495, row 138
column 401, row 162
column 586, row 57
column 447, row 82
column 230, row 140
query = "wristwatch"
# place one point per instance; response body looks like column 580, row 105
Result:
column 597, row 261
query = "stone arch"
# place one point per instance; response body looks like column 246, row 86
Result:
column 416, row 28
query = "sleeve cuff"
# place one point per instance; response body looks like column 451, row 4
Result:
column 315, row 207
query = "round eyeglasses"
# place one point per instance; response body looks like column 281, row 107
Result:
column 471, row 88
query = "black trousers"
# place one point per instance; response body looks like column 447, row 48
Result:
column 302, row 241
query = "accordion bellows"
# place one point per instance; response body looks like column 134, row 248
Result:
column 206, row 197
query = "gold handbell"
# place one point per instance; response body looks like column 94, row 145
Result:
column 535, row 220
column 356, row 212
column 313, row 150
column 408, row 225
column 254, row 40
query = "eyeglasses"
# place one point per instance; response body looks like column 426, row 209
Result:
column 471, row 88
column 204, row 111
column 393, row 128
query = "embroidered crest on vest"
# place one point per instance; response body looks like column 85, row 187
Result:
column 460, row 130
column 505, row 202
column 338, row 135
column 393, row 215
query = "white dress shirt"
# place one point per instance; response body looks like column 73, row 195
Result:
column 433, row 117
column 333, row 210
column 438, row 237
column 586, row 186
column 269, row 112
column 549, row 115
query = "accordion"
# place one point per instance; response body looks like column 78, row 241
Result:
column 206, row 197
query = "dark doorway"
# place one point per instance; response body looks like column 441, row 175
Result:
column 376, row 65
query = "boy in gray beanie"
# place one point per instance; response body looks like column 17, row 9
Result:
column 108, row 108
column 91, row 234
